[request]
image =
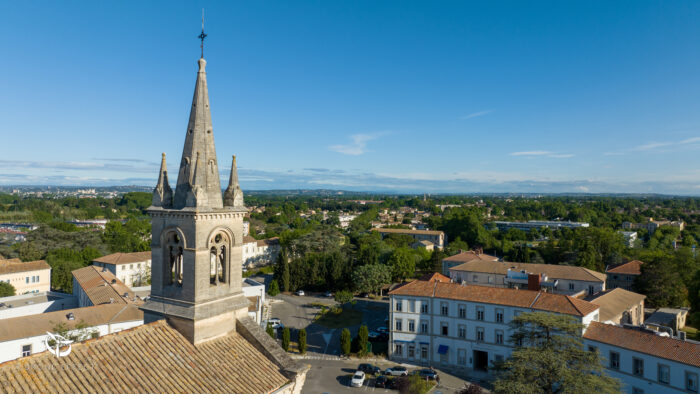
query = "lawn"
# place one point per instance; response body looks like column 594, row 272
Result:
column 346, row 318
column 692, row 333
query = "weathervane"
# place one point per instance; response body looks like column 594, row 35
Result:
column 202, row 36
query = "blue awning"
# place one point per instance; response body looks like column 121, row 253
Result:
column 442, row 349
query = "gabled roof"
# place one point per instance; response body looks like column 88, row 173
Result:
column 633, row 267
column 35, row 325
column 124, row 258
column 470, row 256
column 644, row 342
column 435, row 277
column 407, row 231
column 102, row 287
column 150, row 358
column 615, row 302
column 12, row 266
column 536, row 300
column 553, row 271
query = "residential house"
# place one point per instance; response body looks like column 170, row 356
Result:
column 95, row 286
column 464, row 257
column 259, row 252
column 134, row 269
column 26, row 277
column 619, row 306
column 623, row 275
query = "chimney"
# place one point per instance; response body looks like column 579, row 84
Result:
column 533, row 282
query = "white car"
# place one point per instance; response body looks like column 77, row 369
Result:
column 358, row 379
column 300, row 292
column 275, row 322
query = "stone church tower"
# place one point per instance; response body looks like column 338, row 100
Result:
column 197, row 236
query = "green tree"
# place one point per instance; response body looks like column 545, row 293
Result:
column 402, row 265
column 661, row 283
column 343, row 297
column 285, row 276
column 413, row 384
column 302, row 341
column 549, row 358
column 362, row 339
column 370, row 278
column 270, row 331
column 285, row 339
column 345, row 341
column 274, row 288
column 6, row 289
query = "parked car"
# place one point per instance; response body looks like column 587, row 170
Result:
column 275, row 322
column 369, row 369
column 300, row 292
column 358, row 379
column 426, row 373
column 383, row 382
column 396, row 371
column 378, row 336
column 329, row 294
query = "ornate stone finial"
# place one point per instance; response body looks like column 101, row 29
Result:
column 202, row 36
column 233, row 196
column 162, row 194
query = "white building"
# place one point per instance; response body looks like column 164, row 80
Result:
column 255, row 293
column 134, row 269
column 465, row 327
column 464, row 257
column 258, row 252
column 26, row 277
column 24, row 336
column 644, row 361
column 35, row 303
column 345, row 219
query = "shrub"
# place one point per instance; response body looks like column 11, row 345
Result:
column 285, row 339
column 274, row 288
column 270, row 331
column 362, row 339
column 345, row 341
column 302, row 341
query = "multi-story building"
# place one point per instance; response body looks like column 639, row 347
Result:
column 134, row 269
column 619, row 306
column 258, row 252
column 26, row 277
column 630, row 237
column 623, row 275
column 438, row 238
column 465, row 327
column 255, row 293
column 651, row 225
column 464, row 257
column 95, row 286
column 537, row 224
column 560, row 279
column 645, row 361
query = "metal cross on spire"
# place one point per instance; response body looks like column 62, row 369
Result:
column 202, row 36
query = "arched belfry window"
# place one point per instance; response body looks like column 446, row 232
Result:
column 218, row 258
column 173, row 259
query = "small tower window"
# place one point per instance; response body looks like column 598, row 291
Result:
column 173, row 255
column 218, row 259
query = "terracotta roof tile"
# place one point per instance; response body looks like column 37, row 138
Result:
column 12, row 266
column 644, row 342
column 435, row 277
column 553, row 271
column 101, row 286
column 615, row 302
column 148, row 358
column 124, row 258
column 470, row 256
column 407, row 231
column 633, row 267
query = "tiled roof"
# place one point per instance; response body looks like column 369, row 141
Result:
column 435, row 277
column 553, row 271
column 615, row 302
column 633, row 267
column 12, row 266
column 268, row 241
column 149, row 358
column 408, row 231
column 124, row 258
column 101, row 286
column 644, row 342
column 496, row 295
column 470, row 256
column 34, row 325
column 248, row 239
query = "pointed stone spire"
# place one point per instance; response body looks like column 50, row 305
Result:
column 199, row 141
column 233, row 196
column 163, row 194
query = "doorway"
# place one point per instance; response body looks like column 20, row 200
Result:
column 481, row 360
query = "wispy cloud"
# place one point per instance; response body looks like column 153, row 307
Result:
column 663, row 146
column 358, row 146
column 476, row 114
column 652, row 145
column 542, row 153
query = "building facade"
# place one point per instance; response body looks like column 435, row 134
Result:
column 537, row 224
column 259, row 252
column 464, row 257
column 623, row 275
column 134, row 269
column 26, row 277
column 438, row 238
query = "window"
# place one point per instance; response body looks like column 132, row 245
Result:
column 499, row 315
column 398, row 324
column 444, row 309
column 26, row 280
column 490, row 279
column 411, row 351
column 462, row 311
column 571, row 286
column 412, row 326
column 398, row 349
column 398, row 305
column 475, row 278
column 461, row 357
column 691, row 381
column 462, row 331
column 499, row 337
column 664, row 374
column 638, row 366
column 26, row 350
column 444, row 329
column 424, row 307
column 479, row 334
column 424, row 327
column 423, row 352
column 412, row 306
column 591, row 289
column 614, row 360
column 479, row 313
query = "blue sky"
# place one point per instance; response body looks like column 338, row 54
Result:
column 406, row 96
